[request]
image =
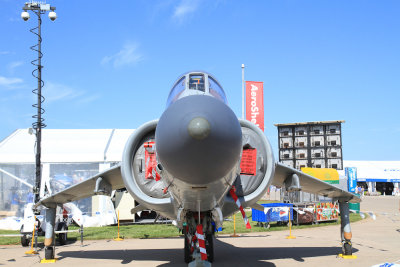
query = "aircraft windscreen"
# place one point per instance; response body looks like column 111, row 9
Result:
column 216, row 90
column 176, row 91
column 196, row 82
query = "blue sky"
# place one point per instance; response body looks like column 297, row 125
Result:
column 110, row 64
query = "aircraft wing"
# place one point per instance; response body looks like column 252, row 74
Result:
column 311, row 184
column 110, row 179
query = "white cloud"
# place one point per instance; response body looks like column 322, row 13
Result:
column 88, row 99
column 185, row 8
column 128, row 55
column 54, row 92
column 15, row 64
column 10, row 83
column 5, row 52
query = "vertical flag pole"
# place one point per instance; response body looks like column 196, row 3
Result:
column 243, row 91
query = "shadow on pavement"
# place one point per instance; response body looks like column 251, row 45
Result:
column 225, row 254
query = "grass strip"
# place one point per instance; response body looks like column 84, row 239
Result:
column 166, row 230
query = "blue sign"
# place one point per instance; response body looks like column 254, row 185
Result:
column 351, row 174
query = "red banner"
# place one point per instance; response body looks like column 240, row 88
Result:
column 255, row 103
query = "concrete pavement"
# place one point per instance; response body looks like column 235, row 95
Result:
column 374, row 241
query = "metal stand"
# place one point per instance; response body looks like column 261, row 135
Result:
column 34, row 238
column 118, row 238
column 234, row 226
column 290, row 236
column 81, row 231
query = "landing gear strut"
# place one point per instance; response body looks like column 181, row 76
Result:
column 345, row 230
column 192, row 244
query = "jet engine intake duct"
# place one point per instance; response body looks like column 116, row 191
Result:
column 257, row 168
column 198, row 139
column 265, row 165
column 145, row 191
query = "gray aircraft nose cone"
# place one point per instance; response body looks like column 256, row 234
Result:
column 198, row 139
column 199, row 128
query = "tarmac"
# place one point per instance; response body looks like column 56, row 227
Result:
column 374, row 242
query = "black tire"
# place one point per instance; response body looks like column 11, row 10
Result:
column 347, row 249
column 48, row 253
column 210, row 247
column 187, row 253
column 24, row 240
column 62, row 237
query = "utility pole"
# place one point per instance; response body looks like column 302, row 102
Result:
column 38, row 8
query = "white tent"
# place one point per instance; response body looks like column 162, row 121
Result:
column 387, row 171
column 68, row 157
column 65, row 146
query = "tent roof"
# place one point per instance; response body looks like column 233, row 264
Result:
column 375, row 169
column 66, row 145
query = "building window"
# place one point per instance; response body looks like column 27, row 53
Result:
column 301, row 144
column 317, row 143
column 302, row 155
column 332, row 131
column 317, row 155
column 286, row 156
column 285, row 145
column 301, row 132
column 302, row 166
column 285, row 133
column 334, row 154
column 316, row 131
column 318, row 166
column 334, row 166
column 333, row 142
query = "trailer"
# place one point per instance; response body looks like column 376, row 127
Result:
column 273, row 212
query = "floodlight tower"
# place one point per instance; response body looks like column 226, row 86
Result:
column 38, row 8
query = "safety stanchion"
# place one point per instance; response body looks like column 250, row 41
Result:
column 290, row 228
column 32, row 251
column 118, row 238
column 234, row 226
column 81, row 231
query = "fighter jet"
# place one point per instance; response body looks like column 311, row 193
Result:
column 197, row 165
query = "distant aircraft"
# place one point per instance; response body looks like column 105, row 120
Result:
column 187, row 166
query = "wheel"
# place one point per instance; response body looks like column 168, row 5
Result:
column 267, row 225
column 346, row 248
column 187, row 249
column 24, row 240
column 48, row 253
column 62, row 237
column 210, row 247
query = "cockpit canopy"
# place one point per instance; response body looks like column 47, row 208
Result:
column 196, row 83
